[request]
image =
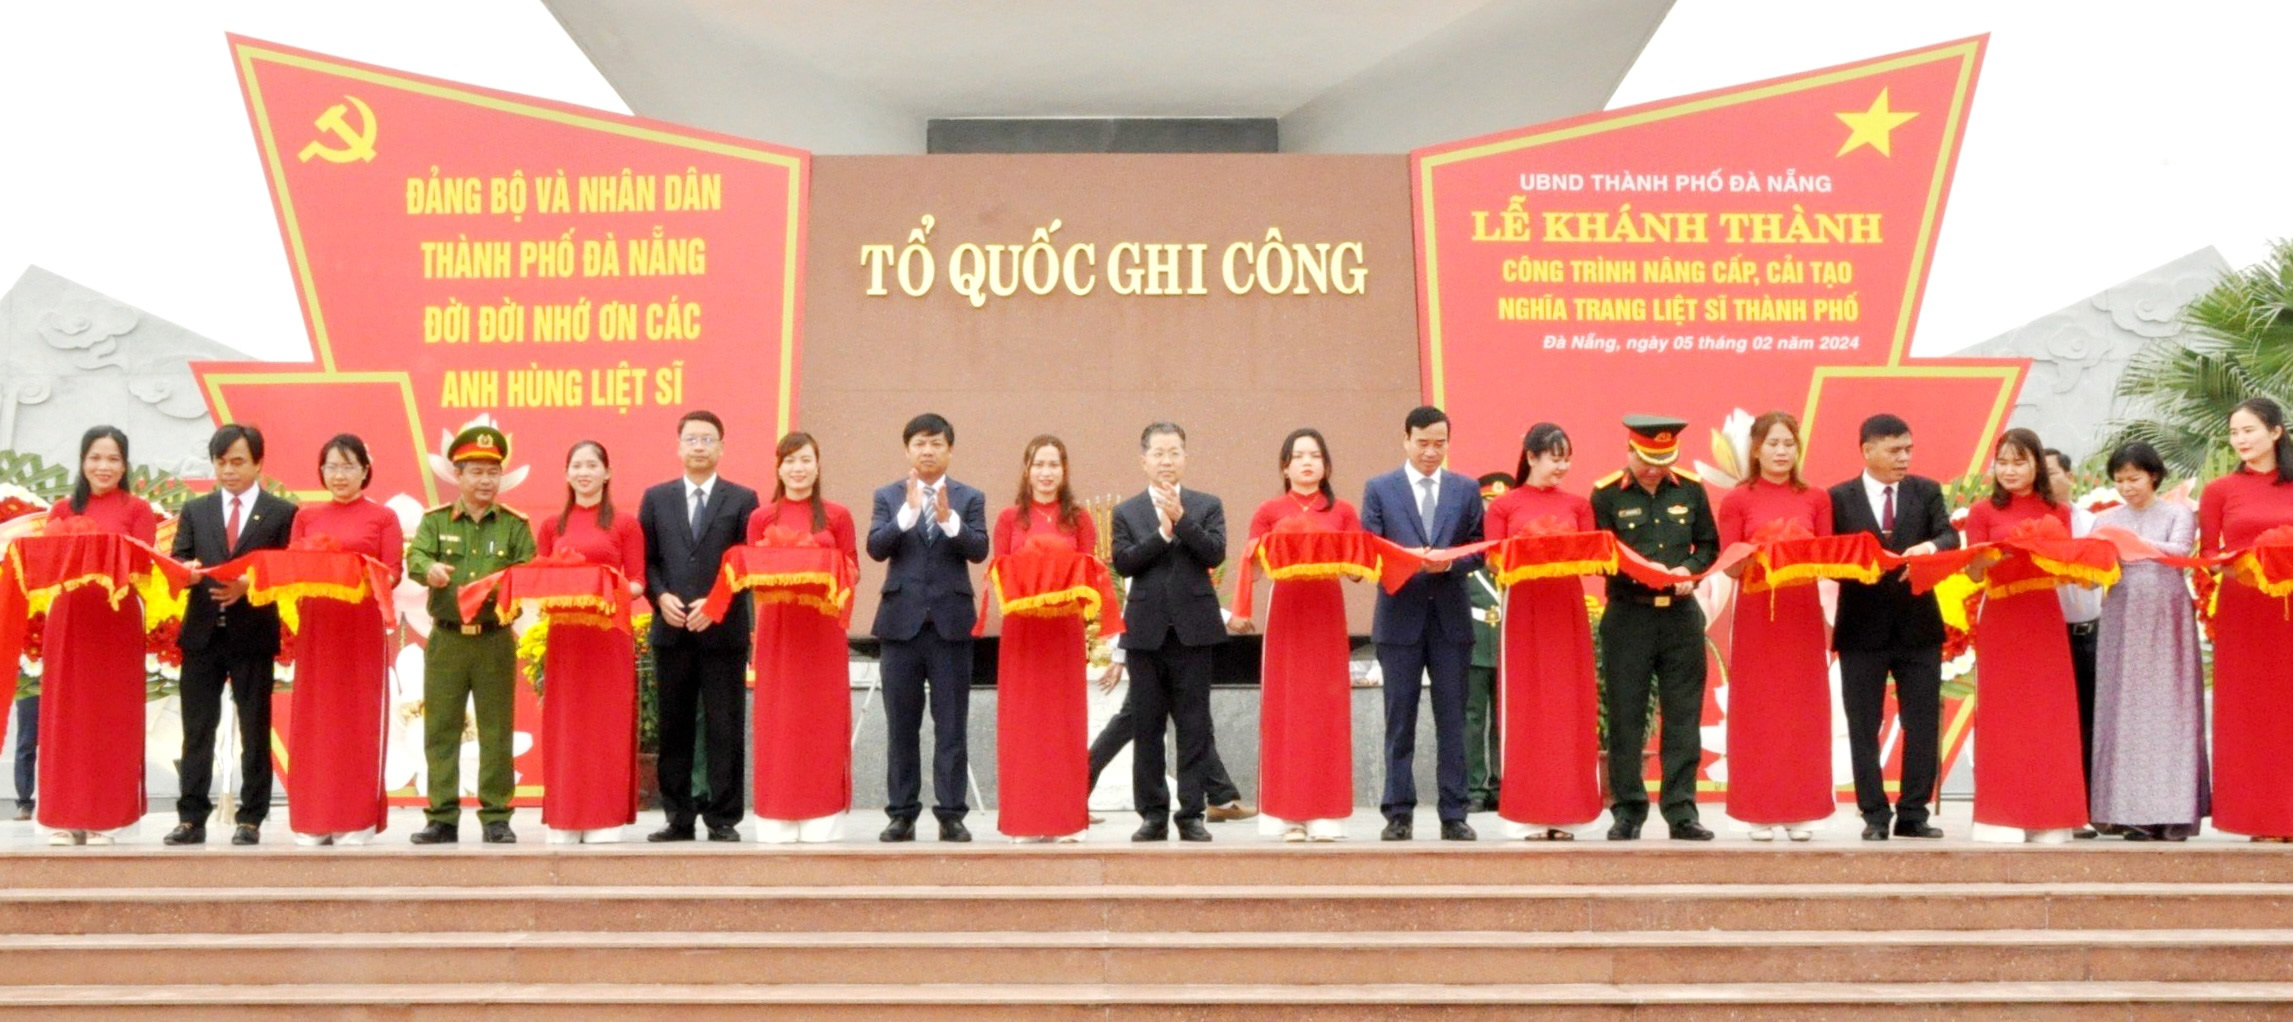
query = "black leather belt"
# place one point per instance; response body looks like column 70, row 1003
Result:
column 2082, row 629
column 1661, row 600
column 456, row 626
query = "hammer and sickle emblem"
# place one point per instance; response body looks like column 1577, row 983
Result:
column 356, row 145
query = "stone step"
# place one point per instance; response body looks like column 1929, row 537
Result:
column 989, row 864
column 1134, row 908
column 498, row 1001
column 1464, row 958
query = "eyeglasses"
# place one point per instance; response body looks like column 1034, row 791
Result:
column 699, row 441
column 341, row 470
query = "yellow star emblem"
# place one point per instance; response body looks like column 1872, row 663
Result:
column 1871, row 127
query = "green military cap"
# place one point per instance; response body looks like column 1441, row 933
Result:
column 1655, row 438
column 479, row 443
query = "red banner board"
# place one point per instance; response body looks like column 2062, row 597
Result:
column 571, row 273
column 1710, row 257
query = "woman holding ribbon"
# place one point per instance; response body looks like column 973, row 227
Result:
column 1779, row 678
column 91, row 694
column 589, row 699
column 342, row 660
column 2149, row 689
column 2027, row 771
column 2246, row 515
column 1305, row 716
column 1042, row 713
column 803, row 700
column 1548, row 698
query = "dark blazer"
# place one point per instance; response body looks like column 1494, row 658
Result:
column 675, row 563
column 199, row 535
column 1170, row 579
column 927, row 582
column 1389, row 509
column 1885, row 614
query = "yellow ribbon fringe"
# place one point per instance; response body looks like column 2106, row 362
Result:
column 1052, row 604
column 1556, row 569
column 1794, row 574
column 1337, row 569
column 2074, row 572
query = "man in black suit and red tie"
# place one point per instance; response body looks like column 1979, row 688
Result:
column 1883, row 629
column 701, row 666
column 226, row 639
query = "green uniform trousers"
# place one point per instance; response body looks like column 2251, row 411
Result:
column 1482, row 745
column 1640, row 643
column 458, row 670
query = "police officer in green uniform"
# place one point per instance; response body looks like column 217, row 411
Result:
column 1661, row 512
column 1482, row 734
column 469, row 661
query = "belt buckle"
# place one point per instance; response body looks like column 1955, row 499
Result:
column 1663, row 601
column 473, row 630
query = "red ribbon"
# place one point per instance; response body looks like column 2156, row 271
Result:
column 564, row 580
column 785, row 564
column 1051, row 573
column 67, row 551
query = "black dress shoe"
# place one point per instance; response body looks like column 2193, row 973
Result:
column 1458, row 830
column 1481, row 804
column 437, row 834
column 246, row 834
column 186, row 834
column 1152, row 830
column 2086, row 833
column 1192, row 830
column 1396, row 829
column 900, row 829
column 1874, row 832
column 1690, row 830
column 671, row 832
column 1624, row 830
column 726, row 832
column 499, row 833
column 1919, row 829
column 954, row 830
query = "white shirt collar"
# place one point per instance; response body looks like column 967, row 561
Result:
column 1416, row 477
column 706, row 486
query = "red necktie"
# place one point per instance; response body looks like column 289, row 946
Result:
column 1887, row 512
column 231, row 527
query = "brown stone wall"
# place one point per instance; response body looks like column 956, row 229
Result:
column 1239, row 372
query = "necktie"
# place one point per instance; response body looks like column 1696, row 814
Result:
column 700, row 511
column 231, row 527
column 927, row 521
column 1887, row 510
column 1425, row 506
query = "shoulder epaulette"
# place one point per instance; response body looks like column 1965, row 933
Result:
column 514, row 513
column 1682, row 473
column 447, row 506
column 1607, row 480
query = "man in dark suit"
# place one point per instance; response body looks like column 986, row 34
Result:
column 227, row 639
column 1426, row 627
column 1167, row 541
column 700, row 664
column 930, row 529
column 1882, row 629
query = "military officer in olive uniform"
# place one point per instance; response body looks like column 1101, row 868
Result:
column 1482, row 744
column 469, row 661
column 1661, row 512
